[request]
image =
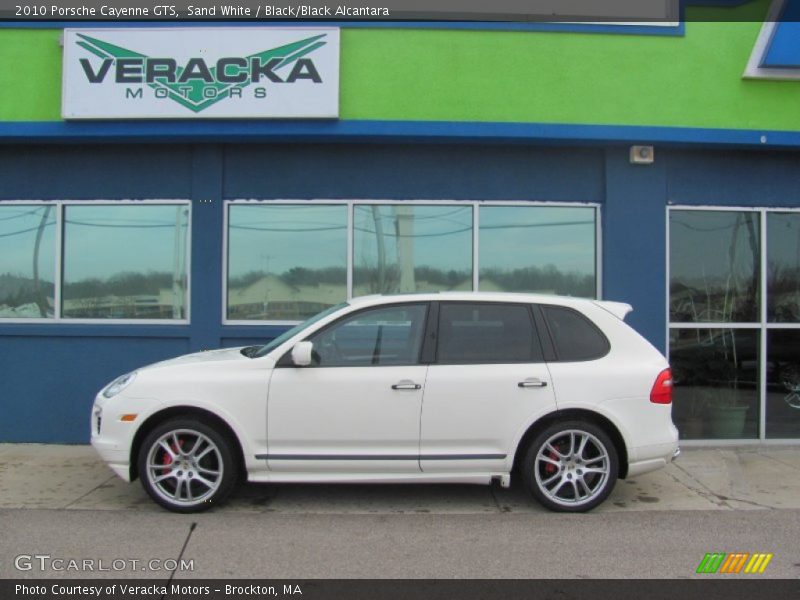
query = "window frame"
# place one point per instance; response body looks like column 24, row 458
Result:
column 762, row 326
column 352, row 203
column 60, row 206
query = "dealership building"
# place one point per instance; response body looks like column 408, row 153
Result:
column 168, row 190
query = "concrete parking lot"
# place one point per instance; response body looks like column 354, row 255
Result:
column 63, row 501
column 734, row 478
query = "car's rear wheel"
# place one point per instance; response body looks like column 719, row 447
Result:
column 187, row 466
column 571, row 466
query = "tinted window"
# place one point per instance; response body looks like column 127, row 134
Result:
column 486, row 333
column 382, row 336
column 575, row 337
column 714, row 266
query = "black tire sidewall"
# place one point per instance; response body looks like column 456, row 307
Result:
column 537, row 442
column 230, row 474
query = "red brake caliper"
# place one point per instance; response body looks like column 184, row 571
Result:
column 167, row 459
column 550, row 468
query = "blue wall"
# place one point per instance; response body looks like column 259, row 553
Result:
column 50, row 373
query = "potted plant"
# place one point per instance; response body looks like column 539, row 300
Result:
column 726, row 403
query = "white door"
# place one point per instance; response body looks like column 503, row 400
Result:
column 356, row 409
column 489, row 379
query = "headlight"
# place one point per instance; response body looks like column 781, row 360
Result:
column 119, row 384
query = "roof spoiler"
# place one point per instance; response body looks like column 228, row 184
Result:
column 618, row 309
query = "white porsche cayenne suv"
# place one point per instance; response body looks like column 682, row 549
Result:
column 431, row 388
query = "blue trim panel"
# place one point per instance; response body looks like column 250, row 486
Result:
column 118, row 132
column 663, row 30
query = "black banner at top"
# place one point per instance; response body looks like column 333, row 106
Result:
column 653, row 12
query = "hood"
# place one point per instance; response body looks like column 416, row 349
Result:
column 207, row 356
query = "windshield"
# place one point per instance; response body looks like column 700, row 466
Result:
column 266, row 348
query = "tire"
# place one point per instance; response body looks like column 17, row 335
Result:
column 561, row 478
column 187, row 465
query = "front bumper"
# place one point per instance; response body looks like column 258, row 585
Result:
column 112, row 437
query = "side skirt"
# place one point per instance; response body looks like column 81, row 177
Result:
column 466, row 478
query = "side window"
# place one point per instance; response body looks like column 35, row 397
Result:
column 575, row 337
column 389, row 335
column 486, row 333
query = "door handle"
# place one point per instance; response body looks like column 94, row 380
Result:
column 406, row 384
column 532, row 382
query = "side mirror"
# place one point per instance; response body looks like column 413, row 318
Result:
column 301, row 354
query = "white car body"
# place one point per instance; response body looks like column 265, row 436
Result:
column 463, row 423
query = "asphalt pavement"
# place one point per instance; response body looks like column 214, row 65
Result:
column 63, row 502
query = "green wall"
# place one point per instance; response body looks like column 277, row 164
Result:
column 458, row 75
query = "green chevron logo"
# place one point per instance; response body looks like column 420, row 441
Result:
column 195, row 84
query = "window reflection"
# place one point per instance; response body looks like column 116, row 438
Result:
column 716, row 382
column 714, row 266
column 783, row 267
column 285, row 262
column 125, row 262
column 538, row 249
column 411, row 248
column 783, row 383
column 27, row 260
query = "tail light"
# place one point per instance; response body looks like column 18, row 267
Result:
column 662, row 388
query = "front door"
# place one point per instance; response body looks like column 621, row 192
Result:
column 356, row 408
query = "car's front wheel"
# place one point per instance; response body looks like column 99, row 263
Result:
column 186, row 465
column 571, row 466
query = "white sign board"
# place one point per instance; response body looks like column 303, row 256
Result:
column 201, row 73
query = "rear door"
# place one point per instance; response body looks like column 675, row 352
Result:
column 488, row 380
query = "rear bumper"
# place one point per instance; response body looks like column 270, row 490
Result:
column 664, row 454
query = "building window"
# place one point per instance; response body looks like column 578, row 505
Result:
column 783, row 267
column 734, row 311
column 402, row 248
column 94, row 261
column 544, row 249
column 125, row 262
column 27, row 261
column 287, row 260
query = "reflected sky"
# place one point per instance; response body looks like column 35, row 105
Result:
column 101, row 241
column 19, row 225
column 783, row 233
column 276, row 238
column 441, row 236
column 702, row 244
column 514, row 237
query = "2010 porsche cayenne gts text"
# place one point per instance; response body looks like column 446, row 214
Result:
column 447, row 387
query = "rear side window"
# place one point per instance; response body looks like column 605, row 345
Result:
column 574, row 336
column 486, row 333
